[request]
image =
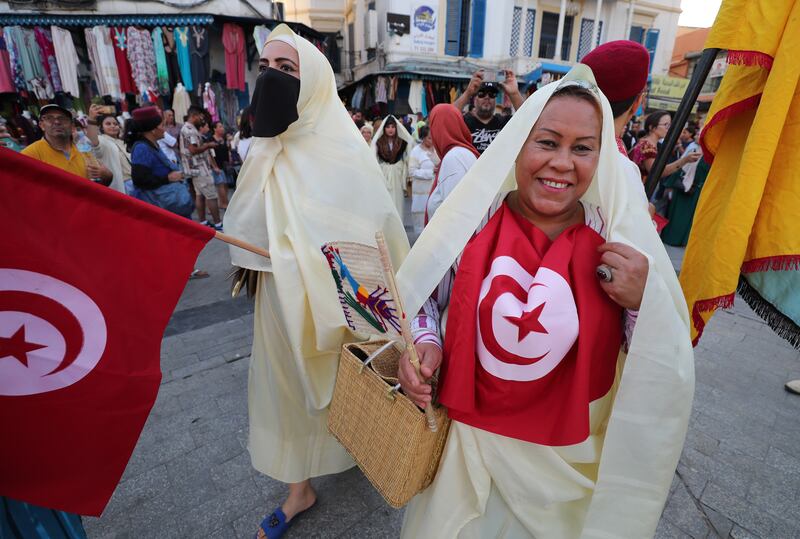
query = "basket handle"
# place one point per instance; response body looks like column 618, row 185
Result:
column 373, row 355
column 405, row 328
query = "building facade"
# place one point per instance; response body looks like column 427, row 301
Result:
column 499, row 34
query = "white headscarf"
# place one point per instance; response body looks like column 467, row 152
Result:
column 317, row 182
column 650, row 415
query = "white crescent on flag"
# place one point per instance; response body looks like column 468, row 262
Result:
column 33, row 350
column 535, row 332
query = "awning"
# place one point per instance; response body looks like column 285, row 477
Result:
column 35, row 19
column 547, row 67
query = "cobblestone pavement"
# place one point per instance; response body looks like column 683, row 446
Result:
column 190, row 475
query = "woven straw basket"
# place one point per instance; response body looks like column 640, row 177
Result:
column 385, row 432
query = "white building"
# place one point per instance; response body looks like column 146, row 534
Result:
column 452, row 37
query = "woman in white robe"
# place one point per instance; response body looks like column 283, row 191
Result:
column 392, row 145
column 308, row 179
column 612, row 480
column 422, row 167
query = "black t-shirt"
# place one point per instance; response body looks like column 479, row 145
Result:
column 484, row 133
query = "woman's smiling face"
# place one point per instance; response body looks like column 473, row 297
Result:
column 558, row 160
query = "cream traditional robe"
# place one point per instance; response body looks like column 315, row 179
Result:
column 615, row 483
column 316, row 182
column 396, row 174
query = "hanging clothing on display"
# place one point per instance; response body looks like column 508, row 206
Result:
column 209, row 102
column 260, row 34
column 184, row 59
column 358, row 97
column 14, row 60
column 381, row 91
column 171, row 52
column 30, row 56
column 119, row 40
column 234, row 44
column 162, row 71
column 94, row 59
column 6, row 76
column 198, row 47
column 180, row 102
column 108, row 62
column 67, row 60
column 142, row 58
column 45, row 41
column 415, row 97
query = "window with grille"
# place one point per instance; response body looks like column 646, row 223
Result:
column 585, row 40
column 549, row 33
column 530, row 22
column 516, row 23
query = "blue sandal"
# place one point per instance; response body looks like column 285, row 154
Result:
column 274, row 525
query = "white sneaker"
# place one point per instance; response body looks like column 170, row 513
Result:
column 793, row 387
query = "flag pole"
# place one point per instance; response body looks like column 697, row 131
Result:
column 241, row 244
column 699, row 75
column 405, row 327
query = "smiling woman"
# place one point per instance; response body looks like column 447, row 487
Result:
column 553, row 432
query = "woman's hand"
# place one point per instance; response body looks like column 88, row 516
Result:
column 430, row 357
column 629, row 270
column 691, row 157
column 175, row 176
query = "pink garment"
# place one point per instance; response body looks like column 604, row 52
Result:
column 45, row 41
column 6, row 79
column 233, row 41
column 142, row 58
column 209, row 102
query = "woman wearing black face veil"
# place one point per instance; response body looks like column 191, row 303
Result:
column 308, row 179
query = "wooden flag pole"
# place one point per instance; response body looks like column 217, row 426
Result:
column 242, row 244
column 405, row 327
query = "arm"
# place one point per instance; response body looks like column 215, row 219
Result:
column 92, row 129
column 675, row 165
column 511, row 88
column 451, row 170
column 474, row 83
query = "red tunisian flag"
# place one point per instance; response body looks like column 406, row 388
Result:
column 531, row 337
column 88, row 280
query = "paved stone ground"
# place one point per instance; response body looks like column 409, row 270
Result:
column 190, row 475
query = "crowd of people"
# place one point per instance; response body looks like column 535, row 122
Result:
column 564, row 197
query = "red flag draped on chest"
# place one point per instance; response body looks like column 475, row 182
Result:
column 531, row 337
column 88, row 280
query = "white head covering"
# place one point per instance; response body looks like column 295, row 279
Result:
column 651, row 409
column 316, row 182
column 402, row 133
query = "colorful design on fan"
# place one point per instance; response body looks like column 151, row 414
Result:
column 375, row 308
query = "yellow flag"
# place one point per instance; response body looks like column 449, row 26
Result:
column 748, row 216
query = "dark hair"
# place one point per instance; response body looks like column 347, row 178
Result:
column 618, row 108
column 691, row 128
column 194, row 109
column 578, row 92
column 651, row 122
column 215, row 124
column 423, row 131
column 102, row 118
column 245, row 130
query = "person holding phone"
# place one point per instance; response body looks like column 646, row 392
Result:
column 482, row 121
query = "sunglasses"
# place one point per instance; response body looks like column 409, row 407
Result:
column 483, row 94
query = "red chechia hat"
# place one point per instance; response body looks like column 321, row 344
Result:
column 620, row 68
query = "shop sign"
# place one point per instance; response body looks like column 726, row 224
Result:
column 398, row 24
column 424, row 34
